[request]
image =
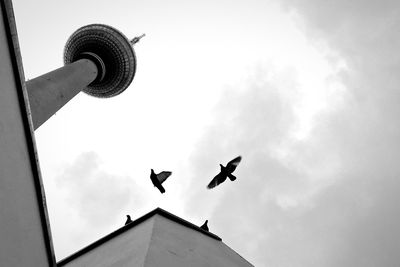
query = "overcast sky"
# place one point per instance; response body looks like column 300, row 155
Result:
column 306, row 91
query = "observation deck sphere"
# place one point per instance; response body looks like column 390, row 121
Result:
column 110, row 50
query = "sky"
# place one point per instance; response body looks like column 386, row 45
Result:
column 306, row 91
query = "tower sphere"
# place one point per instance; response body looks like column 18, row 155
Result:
column 112, row 53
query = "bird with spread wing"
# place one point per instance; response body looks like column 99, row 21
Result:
column 226, row 172
column 158, row 179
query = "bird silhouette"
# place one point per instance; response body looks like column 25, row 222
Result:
column 158, row 179
column 128, row 219
column 204, row 226
column 226, row 172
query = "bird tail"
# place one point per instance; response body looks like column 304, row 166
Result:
column 232, row 177
column 162, row 190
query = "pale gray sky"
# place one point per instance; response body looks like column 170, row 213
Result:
column 305, row 90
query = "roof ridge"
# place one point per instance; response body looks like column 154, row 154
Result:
column 125, row 228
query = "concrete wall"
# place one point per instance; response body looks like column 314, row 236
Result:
column 158, row 241
column 174, row 245
column 125, row 250
column 25, row 238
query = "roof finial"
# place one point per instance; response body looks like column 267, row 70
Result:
column 137, row 39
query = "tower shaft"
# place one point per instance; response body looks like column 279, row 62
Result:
column 51, row 91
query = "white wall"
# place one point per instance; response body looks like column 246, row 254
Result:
column 160, row 242
column 125, row 250
column 22, row 227
column 175, row 245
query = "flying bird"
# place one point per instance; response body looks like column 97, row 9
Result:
column 128, row 219
column 204, row 226
column 226, row 172
column 158, row 179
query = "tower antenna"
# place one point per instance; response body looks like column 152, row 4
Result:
column 137, row 39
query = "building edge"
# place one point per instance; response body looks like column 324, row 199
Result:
column 134, row 223
column 12, row 39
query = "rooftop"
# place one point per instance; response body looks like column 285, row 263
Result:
column 134, row 223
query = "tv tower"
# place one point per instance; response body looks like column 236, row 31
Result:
column 99, row 60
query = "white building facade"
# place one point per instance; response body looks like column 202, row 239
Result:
column 157, row 239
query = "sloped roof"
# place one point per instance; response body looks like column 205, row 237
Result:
column 133, row 224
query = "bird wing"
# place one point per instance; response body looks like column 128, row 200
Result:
column 231, row 166
column 162, row 176
column 219, row 178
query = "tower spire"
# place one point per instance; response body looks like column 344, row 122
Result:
column 137, row 39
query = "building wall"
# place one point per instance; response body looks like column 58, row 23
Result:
column 24, row 234
column 174, row 245
column 127, row 249
column 157, row 242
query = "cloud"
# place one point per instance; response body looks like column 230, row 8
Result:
column 98, row 197
column 255, row 122
column 242, row 120
column 329, row 199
